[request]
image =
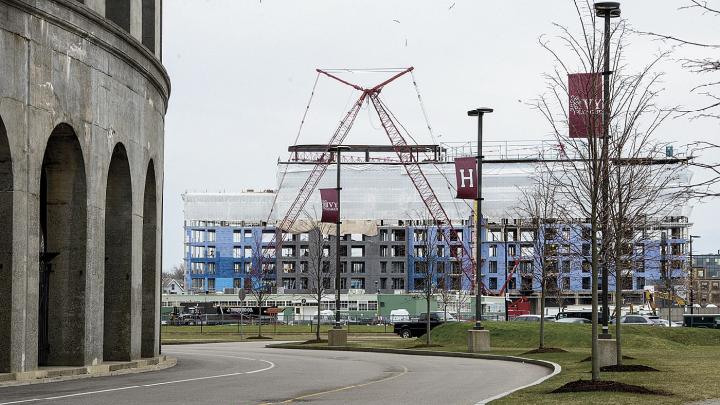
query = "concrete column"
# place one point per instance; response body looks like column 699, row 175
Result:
column 136, row 286
column 158, row 28
column 136, row 19
column 97, row 6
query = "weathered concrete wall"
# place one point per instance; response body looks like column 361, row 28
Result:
column 63, row 63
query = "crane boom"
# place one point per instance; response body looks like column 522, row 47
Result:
column 422, row 185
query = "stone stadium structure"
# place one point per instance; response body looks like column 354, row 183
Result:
column 83, row 95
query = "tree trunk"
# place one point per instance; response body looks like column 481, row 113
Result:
column 542, row 312
column 259, row 320
column 427, row 324
column 317, row 330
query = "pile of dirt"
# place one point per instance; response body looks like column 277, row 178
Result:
column 589, row 358
column 628, row 367
column 259, row 338
column 312, row 341
column 610, row 386
column 547, row 350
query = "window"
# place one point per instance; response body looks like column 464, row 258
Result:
column 526, row 283
column 288, row 251
column 247, row 267
column 267, row 236
column 343, row 286
column 494, row 235
column 198, row 235
column 384, row 235
column 566, row 266
column 383, row 283
column 326, row 251
column 440, row 251
column 586, row 283
column 211, row 284
column 248, row 252
column 397, row 251
column 383, row 267
column 237, row 252
column 289, row 283
column 211, row 235
column 492, row 251
column 420, row 251
column 304, row 237
column 237, row 237
column 383, row 251
column 586, row 249
column 303, row 283
column 420, row 235
column 247, row 234
column 586, row 266
column 493, row 284
column 357, row 251
column 197, row 251
column 197, row 268
column 197, row 283
column 287, row 237
column 566, row 283
column 512, row 249
column 304, row 250
column 358, row 267
column 527, row 251
column 211, row 268
column 398, row 267
column 211, row 251
column 419, row 284
column 527, row 236
column 356, row 237
column 398, row 235
column 492, row 267
column 237, row 267
column 398, row 283
column 357, row 283
column 343, row 250
column 343, row 267
column 362, row 306
column 420, row 267
column 237, row 283
column 288, row 267
column 510, row 235
column 304, row 267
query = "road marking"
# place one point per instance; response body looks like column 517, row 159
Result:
column 556, row 371
column 129, row 387
column 315, row 394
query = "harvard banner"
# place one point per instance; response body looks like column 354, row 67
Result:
column 586, row 105
column 330, row 206
column 466, row 177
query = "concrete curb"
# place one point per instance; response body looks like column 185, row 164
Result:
column 74, row 373
column 554, row 367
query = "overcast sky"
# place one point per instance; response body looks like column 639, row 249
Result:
column 242, row 72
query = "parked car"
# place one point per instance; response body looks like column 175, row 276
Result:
column 664, row 322
column 635, row 320
column 533, row 318
column 702, row 320
column 573, row 320
column 579, row 314
column 408, row 329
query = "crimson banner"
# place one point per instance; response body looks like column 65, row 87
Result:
column 330, row 205
column 466, row 178
column 586, row 105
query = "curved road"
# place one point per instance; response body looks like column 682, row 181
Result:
column 249, row 373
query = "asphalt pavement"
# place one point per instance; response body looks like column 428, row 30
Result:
column 249, row 373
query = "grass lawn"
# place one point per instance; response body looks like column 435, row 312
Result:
column 230, row 333
column 688, row 360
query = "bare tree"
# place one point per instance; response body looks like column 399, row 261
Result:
column 427, row 264
column 582, row 173
column 259, row 286
column 177, row 272
column 538, row 209
column 318, row 270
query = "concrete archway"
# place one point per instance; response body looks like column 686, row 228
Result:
column 118, row 258
column 63, row 244
column 6, row 242
column 149, row 266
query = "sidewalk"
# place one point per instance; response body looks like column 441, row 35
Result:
column 52, row 374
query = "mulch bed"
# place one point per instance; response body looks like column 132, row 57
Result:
column 589, row 358
column 424, row 345
column 608, row 386
column 259, row 338
column 547, row 350
column 628, row 367
column 312, row 341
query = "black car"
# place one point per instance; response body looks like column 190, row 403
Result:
column 410, row 329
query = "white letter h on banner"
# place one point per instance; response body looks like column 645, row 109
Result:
column 463, row 177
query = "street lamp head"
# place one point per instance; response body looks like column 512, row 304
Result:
column 479, row 111
column 695, row 236
column 607, row 8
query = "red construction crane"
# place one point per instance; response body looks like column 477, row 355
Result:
column 410, row 162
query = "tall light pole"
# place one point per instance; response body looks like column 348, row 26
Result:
column 606, row 10
column 692, row 276
column 479, row 112
column 337, row 149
